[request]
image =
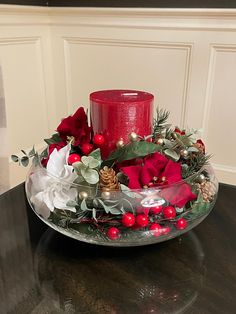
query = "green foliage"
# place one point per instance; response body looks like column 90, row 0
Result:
column 195, row 163
column 172, row 154
column 53, row 140
column 129, row 192
column 86, row 170
column 131, row 151
column 198, row 208
column 24, row 160
column 159, row 124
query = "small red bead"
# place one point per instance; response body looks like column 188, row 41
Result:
column 86, row 148
column 156, row 209
column 142, row 220
column 73, row 158
column 169, row 212
column 181, row 224
column 113, row 233
column 165, row 230
column 98, row 140
column 156, row 229
column 128, row 220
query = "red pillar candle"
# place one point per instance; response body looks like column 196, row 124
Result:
column 117, row 113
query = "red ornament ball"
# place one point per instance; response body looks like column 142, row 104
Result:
column 113, row 233
column 169, row 212
column 73, row 158
column 142, row 220
column 98, row 140
column 181, row 224
column 86, row 148
column 128, row 220
column 156, row 209
column 156, row 229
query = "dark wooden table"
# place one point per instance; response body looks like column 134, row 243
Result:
column 41, row 271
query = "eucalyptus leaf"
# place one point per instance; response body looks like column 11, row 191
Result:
column 96, row 154
column 193, row 149
column 36, row 160
column 71, row 203
column 32, row 152
column 94, row 213
column 172, row 154
column 168, row 143
column 90, row 175
column 14, row 158
column 85, row 160
column 94, row 163
column 126, row 190
column 83, row 206
column 110, row 209
column 24, row 161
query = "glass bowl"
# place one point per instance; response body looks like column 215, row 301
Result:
column 121, row 217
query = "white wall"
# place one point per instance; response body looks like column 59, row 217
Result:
column 53, row 58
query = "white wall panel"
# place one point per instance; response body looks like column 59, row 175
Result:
column 160, row 68
column 53, row 58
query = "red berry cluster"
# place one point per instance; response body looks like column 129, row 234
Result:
column 142, row 220
column 87, row 148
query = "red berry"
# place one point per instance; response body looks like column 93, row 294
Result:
column 86, row 148
column 142, row 220
column 181, row 224
column 128, row 220
column 98, row 140
column 156, row 209
column 73, row 158
column 156, row 229
column 165, row 230
column 169, row 212
column 113, row 233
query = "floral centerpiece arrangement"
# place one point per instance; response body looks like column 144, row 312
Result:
column 150, row 187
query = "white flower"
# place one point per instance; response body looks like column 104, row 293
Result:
column 51, row 188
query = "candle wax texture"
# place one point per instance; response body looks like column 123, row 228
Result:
column 117, row 113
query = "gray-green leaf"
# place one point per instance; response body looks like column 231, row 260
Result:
column 14, row 158
column 90, row 175
column 129, row 192
column 172, row 154
column 24, row 161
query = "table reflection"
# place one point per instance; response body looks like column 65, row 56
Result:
column 82, row 278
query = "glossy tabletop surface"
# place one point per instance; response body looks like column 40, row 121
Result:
column 42, row 271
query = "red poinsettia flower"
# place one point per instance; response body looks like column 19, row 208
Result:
column 51, row 148
column 76, row 126
column 158, row 166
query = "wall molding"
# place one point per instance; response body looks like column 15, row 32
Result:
column 145, row 18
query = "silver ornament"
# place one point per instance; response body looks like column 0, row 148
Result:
column 184, row 152
column 133, row 137
column 120, row 143
column 160, row 141
column 106, row 195
column 201, row 178
column 83, row 195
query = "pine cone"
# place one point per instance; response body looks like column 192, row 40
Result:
column 108, row 179
column 207, row 189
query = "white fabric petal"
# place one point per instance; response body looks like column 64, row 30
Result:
column 39, row 205
column 57, row 160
